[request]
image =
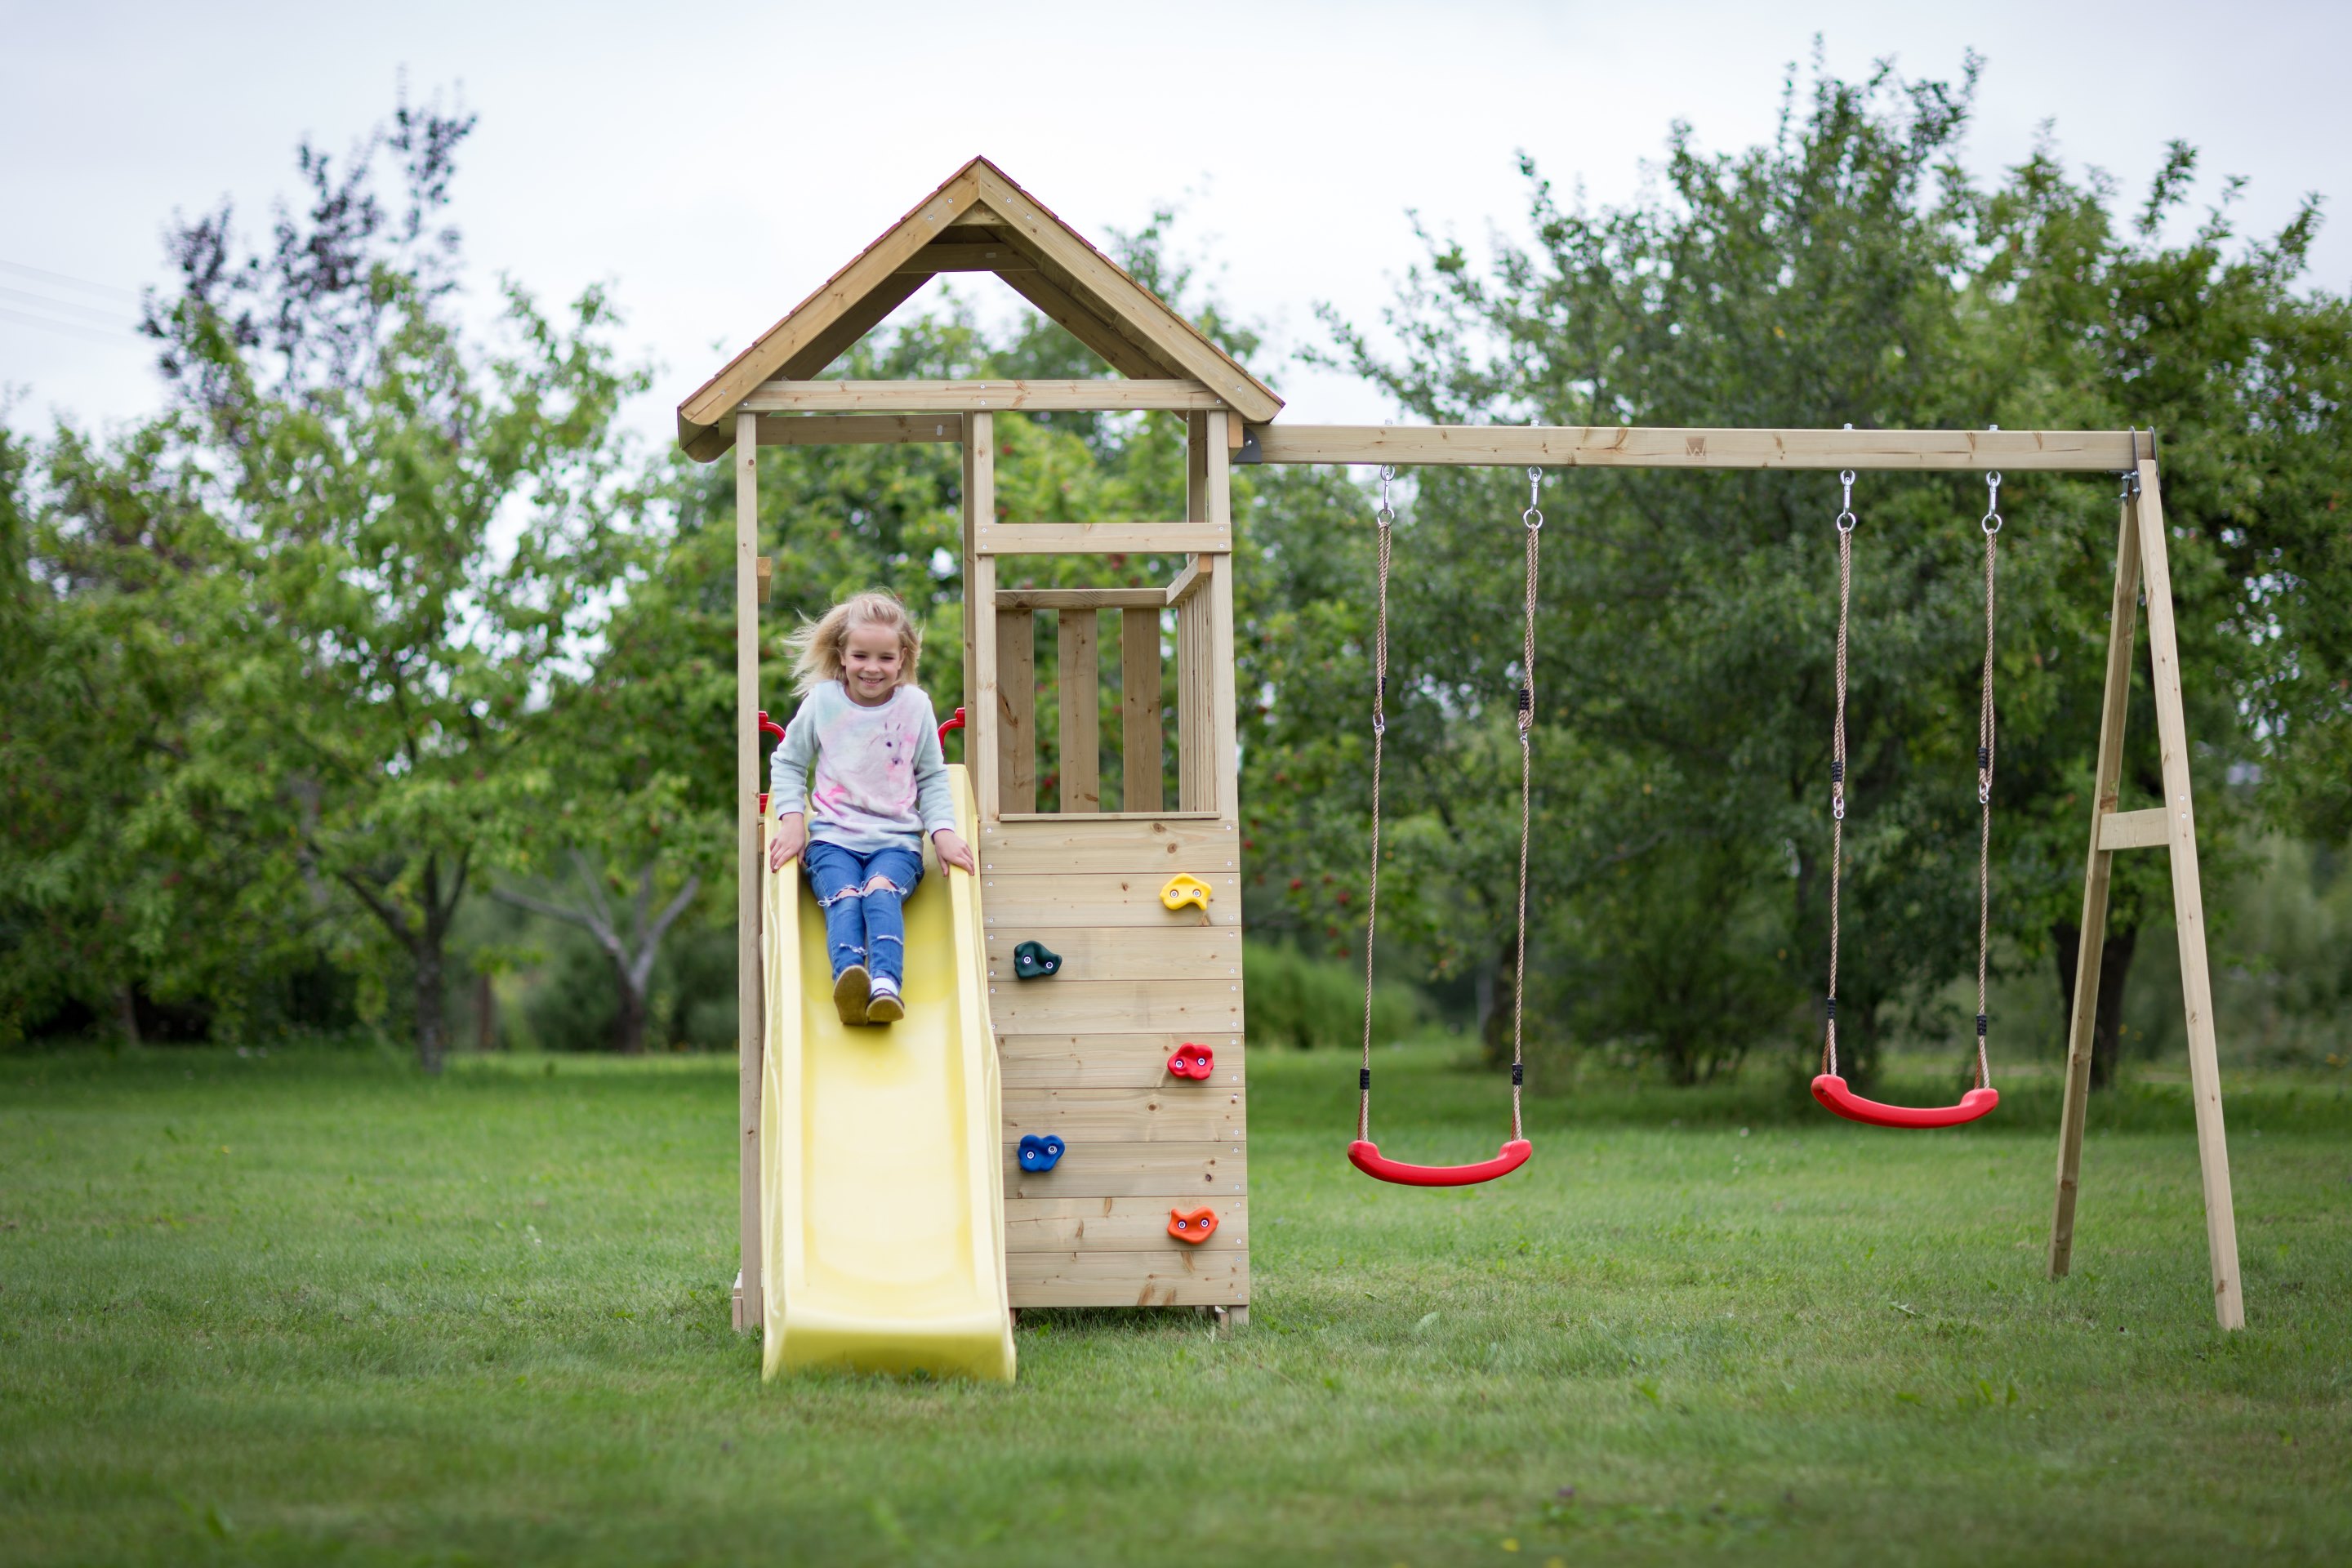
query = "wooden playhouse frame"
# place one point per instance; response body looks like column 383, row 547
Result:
column 1085, row 1055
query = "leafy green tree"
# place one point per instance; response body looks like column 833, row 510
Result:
column 1847, row 272
column 426, row 532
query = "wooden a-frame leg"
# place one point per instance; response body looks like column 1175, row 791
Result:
column 2141, row 557
column 2188, row 909
column 2082, row 1027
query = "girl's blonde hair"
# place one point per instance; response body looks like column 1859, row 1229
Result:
column 818, row 645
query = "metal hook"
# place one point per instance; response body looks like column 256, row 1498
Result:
column 1845, row 519
column 1533, row 516
column 1991, row 523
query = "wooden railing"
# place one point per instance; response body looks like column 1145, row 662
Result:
column 1137, row 658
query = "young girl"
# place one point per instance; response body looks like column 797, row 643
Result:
column 881, row 783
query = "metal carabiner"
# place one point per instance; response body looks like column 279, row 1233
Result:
column 1845, row 519
column 1533, row 516
column 1991, row 523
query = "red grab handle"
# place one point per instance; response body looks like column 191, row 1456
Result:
column 954, row 723
column 1367, row 1158
column 1832, row 1091
column 768, row 726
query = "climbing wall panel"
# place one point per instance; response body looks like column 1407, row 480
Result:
column 1085, row 1052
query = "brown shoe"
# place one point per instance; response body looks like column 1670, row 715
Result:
column 849, row 993
column 883, row 1005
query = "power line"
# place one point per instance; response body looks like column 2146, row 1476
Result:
column 45, row 275
column 23, row 317
column 25, row 296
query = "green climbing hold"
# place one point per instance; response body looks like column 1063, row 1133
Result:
column 1034, row 960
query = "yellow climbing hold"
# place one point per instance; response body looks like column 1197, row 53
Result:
column 1182, row 889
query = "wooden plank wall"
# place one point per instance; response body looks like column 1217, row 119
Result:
column 1085, row 1056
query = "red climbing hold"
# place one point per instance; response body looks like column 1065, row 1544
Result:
column 1193, row 1226
column 1192, row 1061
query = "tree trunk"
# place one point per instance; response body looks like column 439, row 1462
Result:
column 1494, row 1036
column 485, row 1014
column 2115, row 969
column 432, row 1019
column 126, row 1013
column 629, row 1018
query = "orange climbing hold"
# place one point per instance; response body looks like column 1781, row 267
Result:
column 1193, row 1226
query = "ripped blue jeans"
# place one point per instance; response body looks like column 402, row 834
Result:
column 861, row 894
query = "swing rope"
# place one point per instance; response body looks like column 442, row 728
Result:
column 1363, row 1153
column 1829, row 1088
column 1383, row 521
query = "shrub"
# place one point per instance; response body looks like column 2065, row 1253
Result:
column 1297, row 1000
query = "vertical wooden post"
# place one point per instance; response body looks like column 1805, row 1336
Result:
column 2188, row 907
column 1016, row 710
column 1196, row 748
column 749, row 1013
column 2106, row 786
column 980, row 613
column 1139, row 679
column 1225, row 793
column 974, row 625
column 1081, row 712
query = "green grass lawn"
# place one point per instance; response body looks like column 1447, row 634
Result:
column 309, row 1308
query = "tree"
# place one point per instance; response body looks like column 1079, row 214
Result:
column 426, row 531
column 1846, row 272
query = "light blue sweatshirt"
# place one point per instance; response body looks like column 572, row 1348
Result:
column 881, row 779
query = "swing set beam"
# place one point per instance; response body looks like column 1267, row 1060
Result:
column 1637, row 446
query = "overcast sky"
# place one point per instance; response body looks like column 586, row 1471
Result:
column 715, row 164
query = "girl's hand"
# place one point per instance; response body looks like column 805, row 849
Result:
column 954, row 851
column 790, row 837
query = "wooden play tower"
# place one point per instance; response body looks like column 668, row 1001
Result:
column 1084, row 1056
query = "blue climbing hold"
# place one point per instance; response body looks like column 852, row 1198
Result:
column 1040, row 1153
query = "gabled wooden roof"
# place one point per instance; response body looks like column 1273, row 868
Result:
column 978, row 221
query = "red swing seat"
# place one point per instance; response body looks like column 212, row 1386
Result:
column 1367, row 1157
column 1832, row 1091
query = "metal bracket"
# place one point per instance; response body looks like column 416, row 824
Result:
column 1249, row 451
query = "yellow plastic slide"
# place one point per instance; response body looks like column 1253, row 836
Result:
column 882, row 1180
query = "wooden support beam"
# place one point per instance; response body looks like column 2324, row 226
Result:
column 1081, row 396
column 2189, row 908
column 857, row 429
column 2150, row 830
column 1140, row 747
column 1225, row 704
column 979, row 681
column 2123, row 613
column 749, row 1012
column 1080, row 598
column 1101, row 538
column 1017, row 711
column 963, row 255
column 1080, row 737
column 1196, row 785
column 1633, row 447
